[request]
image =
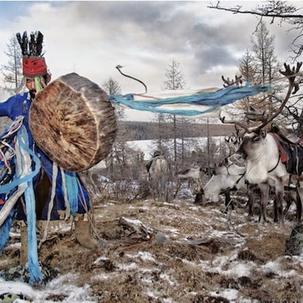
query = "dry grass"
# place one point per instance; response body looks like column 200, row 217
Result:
column 170, row 269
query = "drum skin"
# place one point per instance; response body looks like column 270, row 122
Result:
column 73, row 122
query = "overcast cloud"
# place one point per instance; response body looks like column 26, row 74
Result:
column 91, row 38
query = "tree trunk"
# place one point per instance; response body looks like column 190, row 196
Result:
column 175, row 141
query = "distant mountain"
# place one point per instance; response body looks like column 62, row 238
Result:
column 136, row 130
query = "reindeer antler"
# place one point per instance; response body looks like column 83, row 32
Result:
column 239, row 80
column 227, row 82
column 254, row 114
column 291, row 75
column 236, row 123
column 293, row 87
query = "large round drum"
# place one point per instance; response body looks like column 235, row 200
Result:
column 73, row 122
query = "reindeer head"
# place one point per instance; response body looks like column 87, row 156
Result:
column 254, row 137
column 252, row 143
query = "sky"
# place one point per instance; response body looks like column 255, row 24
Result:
column 91, row 38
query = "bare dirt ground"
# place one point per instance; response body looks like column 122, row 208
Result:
column 182, row 253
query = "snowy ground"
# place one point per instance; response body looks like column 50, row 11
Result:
column 149, row 146
column 175, row 252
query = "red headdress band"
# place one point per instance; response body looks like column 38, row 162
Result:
column 34, row 66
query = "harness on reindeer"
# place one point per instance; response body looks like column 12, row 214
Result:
column 290, row 151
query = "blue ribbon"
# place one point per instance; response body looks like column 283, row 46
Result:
column 5, row 228
column 33, row 260
column 72, row 191
column 214, row 99
column 6, row 188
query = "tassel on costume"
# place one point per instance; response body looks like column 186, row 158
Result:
column 72, row 190
column 5, row 228
column 26, row 164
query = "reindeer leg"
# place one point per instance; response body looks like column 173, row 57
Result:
column 165, row 189
column 250, row 203
column 288, row 199
column 227, row 201
column 280, row 207
column 279, row 190
column 154, row 189
column 264, row 188
column 276, row 210
column 299, row 204
column 177, row 188
column 199, row 196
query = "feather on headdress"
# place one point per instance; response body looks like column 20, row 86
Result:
column 33, row 62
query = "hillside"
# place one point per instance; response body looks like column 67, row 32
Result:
column 150, row 130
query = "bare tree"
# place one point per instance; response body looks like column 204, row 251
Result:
column 12, row 71
column 274, row 9
column 160, row 123
column 263, row 52
column 247, row 67
column 260, row 65
column 112, row 87
column 174, row 80
column 271, row 8
column 119, row 150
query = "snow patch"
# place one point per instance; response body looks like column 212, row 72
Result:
column 128, row 267
column 143, row 255
column 102, row 258
column 227, row 265
column 103, row 277
column 62, row 285
column 169, row 279
column 239, row 270
column 276, row 268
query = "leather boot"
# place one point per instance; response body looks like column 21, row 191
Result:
column 23, row 239
column 83, row 234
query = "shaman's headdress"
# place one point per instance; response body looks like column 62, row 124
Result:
column 33, row 62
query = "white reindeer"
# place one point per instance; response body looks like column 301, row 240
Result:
column 264, row 165
column 158, row 172
column 228, row 176
column 193, row 176
column 261, row 150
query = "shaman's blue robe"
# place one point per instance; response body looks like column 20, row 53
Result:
column 19, row 105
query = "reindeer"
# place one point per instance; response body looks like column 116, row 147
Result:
column 262, row 151
column 158, row 173
column 193, row 176
column 227, row 176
